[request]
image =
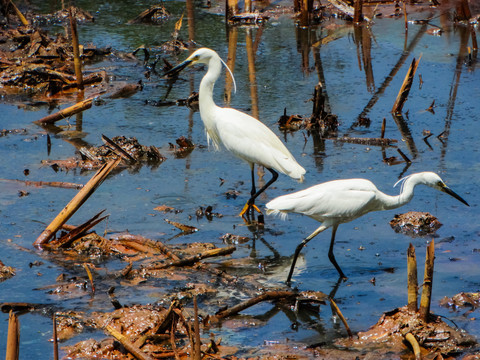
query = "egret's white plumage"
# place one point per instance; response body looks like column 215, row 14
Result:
column 243, row 135
column 340, row 201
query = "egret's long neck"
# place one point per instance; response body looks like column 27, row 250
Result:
column 393, row 202
column 205, row 94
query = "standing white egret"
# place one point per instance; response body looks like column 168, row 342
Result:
column 246, row 137
column 340, row 201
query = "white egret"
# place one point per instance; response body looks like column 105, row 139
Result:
column 340, row 201
column 246, row 137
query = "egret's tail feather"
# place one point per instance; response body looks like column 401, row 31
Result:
column 275, row 212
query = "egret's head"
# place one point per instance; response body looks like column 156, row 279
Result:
column 433, row 180
column 200, row 56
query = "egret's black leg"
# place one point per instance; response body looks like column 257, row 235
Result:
column 254, row 189
column 295, row 256
column 300, row 247
column 251, row 202
column 332, row 257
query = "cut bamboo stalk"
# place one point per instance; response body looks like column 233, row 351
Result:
column 406, row 86
column 13, row 337
column 416, row 348
column 412, row 279
column 67, row 112
column 76, row 202
column 127, row 344
column 19, row 14
column 76, row 50
column 426, row 298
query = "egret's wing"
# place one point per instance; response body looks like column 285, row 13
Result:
column 339, row 200
column 249, row 139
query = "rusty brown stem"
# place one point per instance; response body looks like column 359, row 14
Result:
column 426, row 298
column 76, row 50
column 405, row 88
column 60, row 184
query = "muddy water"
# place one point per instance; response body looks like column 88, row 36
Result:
column 287, row 70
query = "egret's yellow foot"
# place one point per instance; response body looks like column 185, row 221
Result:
column 247, row 207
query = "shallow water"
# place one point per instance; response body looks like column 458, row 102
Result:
column 282, row 81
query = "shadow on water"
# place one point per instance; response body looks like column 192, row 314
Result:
column 277, row 65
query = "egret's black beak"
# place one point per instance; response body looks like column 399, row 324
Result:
column 175, row 70
column 447, row 190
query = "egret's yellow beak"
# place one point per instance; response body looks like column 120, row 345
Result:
column 178, row 68
column 449, row 191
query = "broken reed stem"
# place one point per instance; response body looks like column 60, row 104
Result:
column 67, row 112
column 76, row 202
column 127, row 344
column 19, row 14
column 426, row 298
column 405, row 88
column 60, row 184
column 382, row 133
column 13, row 337
column 405, row 16
column 269, row 295
column 55, row 338
column 195, row 258
column 76, row 50
column 337, row 311
column 416, row 348
column 197, row 354
column 232, row 9
column 90, row 277
column 412, row 279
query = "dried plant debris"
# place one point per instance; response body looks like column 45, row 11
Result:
column 183, row 148
column 153, row 331
column 33, row 62
column 156, row 14
column 469, row 300
column 415, row 223
column 133, row 153
column 6, row 272
column 389, row 333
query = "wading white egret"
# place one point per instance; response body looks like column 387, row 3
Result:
column 246, row 137
column 340, row 201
